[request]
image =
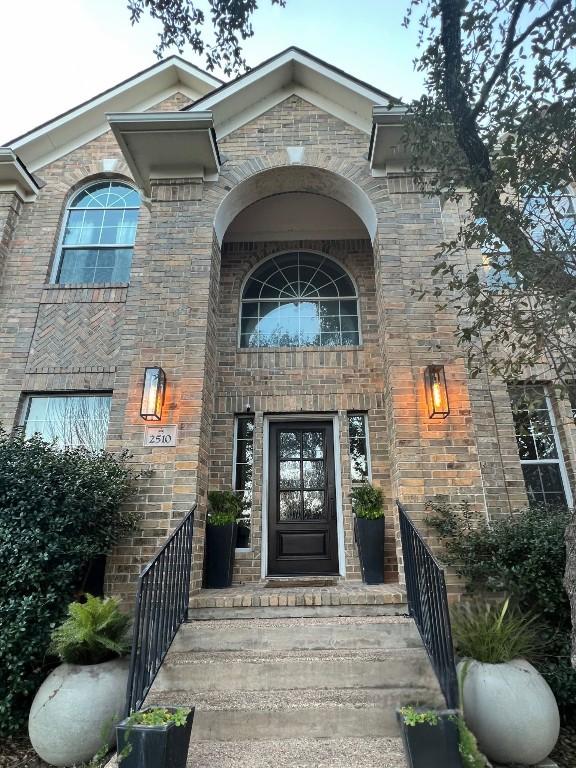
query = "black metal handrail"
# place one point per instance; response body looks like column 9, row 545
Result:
column 428, row 605
column 161, row 607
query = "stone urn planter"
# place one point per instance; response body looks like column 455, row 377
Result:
column 511, row 710
column 75, row 710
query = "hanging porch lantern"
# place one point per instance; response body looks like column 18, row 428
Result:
column 153, row 392
column 436, row 392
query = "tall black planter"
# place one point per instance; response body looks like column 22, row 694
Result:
column 220, row 545
column 154, row 746
column 370, row 540
column 432, row 746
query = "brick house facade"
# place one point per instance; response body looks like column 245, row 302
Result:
column 279, row 161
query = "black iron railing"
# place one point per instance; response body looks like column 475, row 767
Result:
column 161, row 607
column 428, row 605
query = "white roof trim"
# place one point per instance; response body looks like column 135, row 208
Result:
column 14, row 177
column 86, row 122
column 292, row 72
column 167, row 145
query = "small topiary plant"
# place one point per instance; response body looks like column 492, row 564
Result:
column 224, row 507
column 94, row 632
column 368, row 501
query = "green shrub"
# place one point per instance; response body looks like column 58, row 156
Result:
column 224, row 507
column 94, row 632
column 368, row 501
column 58, row 510
column 492, row 633
column 524, row 556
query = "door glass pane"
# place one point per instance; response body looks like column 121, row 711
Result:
column 289, row 445
column 313, row 472
column 312, row 445
column 290, row 505
column 313, row 505
column 289, row 474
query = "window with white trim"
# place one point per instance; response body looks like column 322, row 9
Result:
column 69, row 420
column 360, row 470
column 242, row 474
column 99, row 233
column 539, row 447
column 299, row 299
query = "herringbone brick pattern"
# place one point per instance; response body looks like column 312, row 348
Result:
column 75, row 336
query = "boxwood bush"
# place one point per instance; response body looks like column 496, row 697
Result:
column 58, row 510
column 524, row 556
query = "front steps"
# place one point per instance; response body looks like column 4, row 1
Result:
column 318, row 691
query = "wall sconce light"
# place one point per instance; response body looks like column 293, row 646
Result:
column 153, row 392
column 436, row 392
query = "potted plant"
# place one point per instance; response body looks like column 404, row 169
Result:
column 76, row 707
column 438, row 738
column 507, row 703
column 367, row 502
column 224, row 508
column 155, row 737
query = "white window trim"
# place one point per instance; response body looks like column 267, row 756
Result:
column 559, row 461
column 337, row 480
column 57, row 262
column 237, row 418
column 342, row 298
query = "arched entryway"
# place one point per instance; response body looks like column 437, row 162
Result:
column 316, row 394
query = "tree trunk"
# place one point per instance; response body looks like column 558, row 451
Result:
column 570, row 578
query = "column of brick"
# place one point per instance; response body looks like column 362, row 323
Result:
column 170, row 322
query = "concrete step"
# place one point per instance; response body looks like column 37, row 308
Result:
column 201, row 613
column 377, row 632
column 305, row 713
column 297, row 753
column 272, row 670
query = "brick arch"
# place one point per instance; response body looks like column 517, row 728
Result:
column 71, row 180
column 276, row 173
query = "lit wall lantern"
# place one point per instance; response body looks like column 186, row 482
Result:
column 436, row 392
column 153, row 393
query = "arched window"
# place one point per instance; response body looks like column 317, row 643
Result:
column 299, row 300
column 99, row 234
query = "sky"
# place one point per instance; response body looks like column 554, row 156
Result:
column 56, row 54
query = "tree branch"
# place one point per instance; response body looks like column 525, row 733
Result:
column 511, row 44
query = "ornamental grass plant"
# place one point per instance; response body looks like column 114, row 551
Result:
column 493, row 633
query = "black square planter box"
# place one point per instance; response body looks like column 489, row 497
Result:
column 220, row 547
column 155, row 746
column 432, row 746
column 370, row 541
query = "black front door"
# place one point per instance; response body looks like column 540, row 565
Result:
column 302, row 533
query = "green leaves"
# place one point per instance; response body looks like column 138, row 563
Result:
column 493, row 634
column 58, row 510
column 94, row 632
column 159, row 716
column 524, row 556
column 368, row 501
column 224, row 507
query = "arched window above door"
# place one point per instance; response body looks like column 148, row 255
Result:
column 299, row 299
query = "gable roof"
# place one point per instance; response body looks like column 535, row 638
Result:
column 293, row 71
column 87, row 121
